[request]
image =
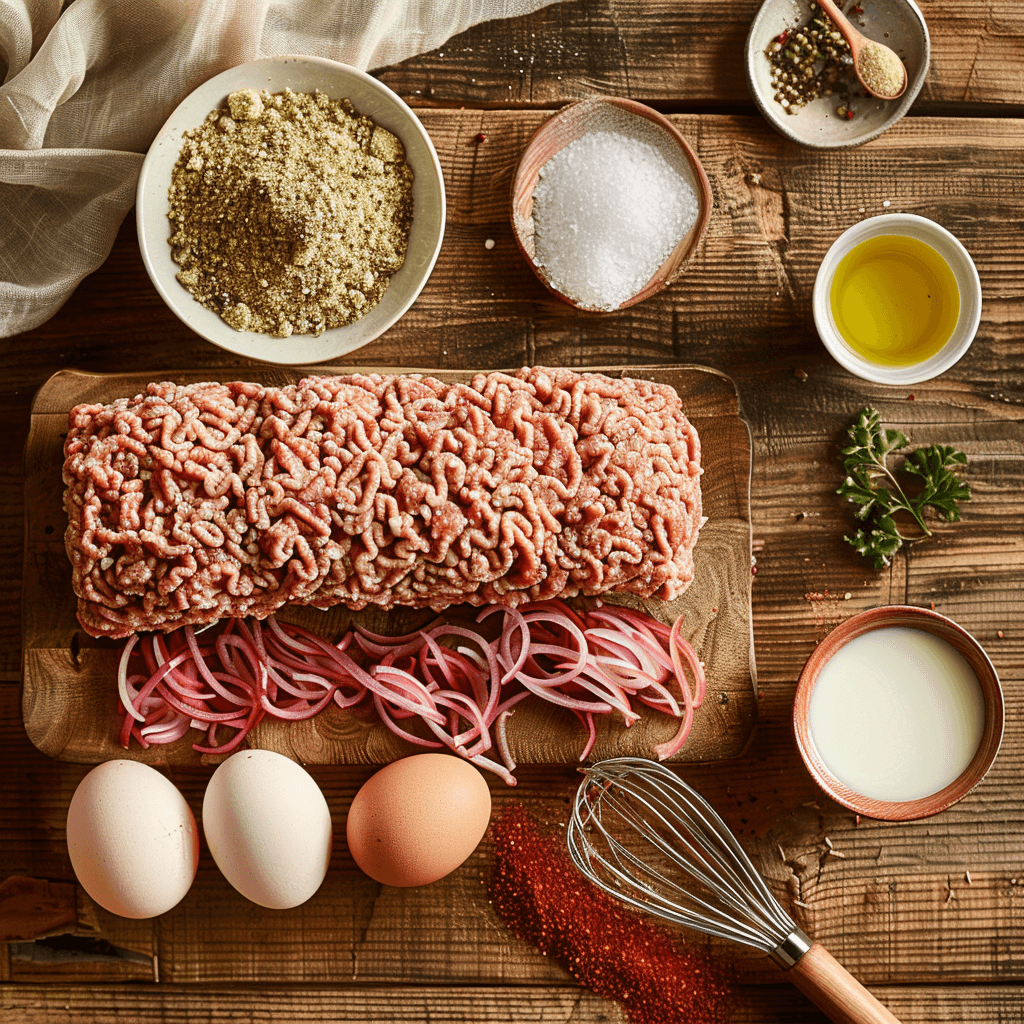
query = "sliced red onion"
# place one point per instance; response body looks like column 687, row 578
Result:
column 680, row 650
column 501, row 739
column 493, row 766
column 463, row 694
column 387, row 718
column 122, row 680
column 588, row 723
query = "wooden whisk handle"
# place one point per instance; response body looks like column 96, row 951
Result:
column 831, row 987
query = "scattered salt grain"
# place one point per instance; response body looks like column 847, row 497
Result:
column 608, row 211
column 489, row 244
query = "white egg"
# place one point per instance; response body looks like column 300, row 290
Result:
column 132, row 839
column 268, row 827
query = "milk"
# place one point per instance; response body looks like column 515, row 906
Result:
column 897, row 714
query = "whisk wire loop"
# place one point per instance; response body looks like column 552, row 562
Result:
column 631, row 815
column 713, row 847
column 626, row 869
column 692, row 866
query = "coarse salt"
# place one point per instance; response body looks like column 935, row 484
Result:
column 608, row 210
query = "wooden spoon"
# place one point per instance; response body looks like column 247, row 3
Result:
column 877, row 66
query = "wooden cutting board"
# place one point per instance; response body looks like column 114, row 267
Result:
column 69, row 696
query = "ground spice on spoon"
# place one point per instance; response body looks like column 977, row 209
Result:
column 881, row 70
column 542, row 898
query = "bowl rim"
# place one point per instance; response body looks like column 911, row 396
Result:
column 964, row 332
column 914, row 86
column 681, row 255
column 181, row 302
column 988, row 679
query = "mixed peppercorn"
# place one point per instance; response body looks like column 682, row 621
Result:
column 811, row 61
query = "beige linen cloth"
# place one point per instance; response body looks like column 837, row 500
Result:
column 85, row 91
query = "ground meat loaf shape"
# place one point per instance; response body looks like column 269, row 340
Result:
column 193, row 503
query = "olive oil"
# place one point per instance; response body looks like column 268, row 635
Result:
column 895, row 300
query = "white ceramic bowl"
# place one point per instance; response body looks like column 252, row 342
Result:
column 300, row 74
column 968, row 283
column 898, row 24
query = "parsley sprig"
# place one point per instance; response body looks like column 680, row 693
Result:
column 874, row 488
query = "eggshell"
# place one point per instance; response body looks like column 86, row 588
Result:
column 132, row 839
column 418, row 819
column 268, row 827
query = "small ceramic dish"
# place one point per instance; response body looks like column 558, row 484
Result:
column 300, row 74
column 625, row 117
column 957, row 258
column 897, row 23
column 898, row 758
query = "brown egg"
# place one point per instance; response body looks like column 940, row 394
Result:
column 418, row 819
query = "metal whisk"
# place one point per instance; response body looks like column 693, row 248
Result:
column 647, row 838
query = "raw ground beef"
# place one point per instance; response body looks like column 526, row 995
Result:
column 189, row 504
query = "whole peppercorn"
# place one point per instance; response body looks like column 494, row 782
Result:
column 810, row 61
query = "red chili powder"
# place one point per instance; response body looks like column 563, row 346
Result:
column 544, row 900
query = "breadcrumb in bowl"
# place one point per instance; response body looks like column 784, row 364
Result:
column 338, row 82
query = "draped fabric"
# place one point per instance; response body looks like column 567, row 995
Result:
column 85, row 91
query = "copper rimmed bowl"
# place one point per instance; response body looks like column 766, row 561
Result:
column 991, row 693
column 609, row 114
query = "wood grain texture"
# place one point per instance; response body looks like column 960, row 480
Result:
column 685, row 53
column 69, row 692
column 448, row 1004
column 171, row 1004
column 927, row 913
column 31, row 908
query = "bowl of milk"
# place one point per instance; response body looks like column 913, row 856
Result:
column 898, row 713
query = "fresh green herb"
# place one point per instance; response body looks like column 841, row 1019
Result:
column 877, row 493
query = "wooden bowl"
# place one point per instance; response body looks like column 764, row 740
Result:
column 572, row 123
column 991, row 692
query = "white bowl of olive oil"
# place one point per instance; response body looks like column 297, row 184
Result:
column 897, row 299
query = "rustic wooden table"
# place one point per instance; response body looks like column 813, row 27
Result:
column 930, row 915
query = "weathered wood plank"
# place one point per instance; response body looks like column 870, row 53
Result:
column 684, row 53
column 444, row 1004
column 170, row 1004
